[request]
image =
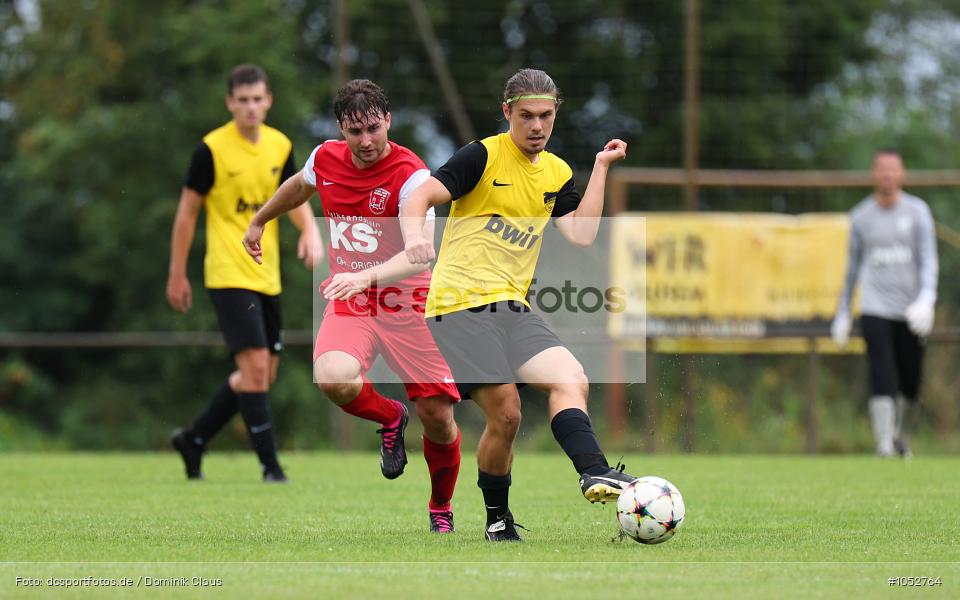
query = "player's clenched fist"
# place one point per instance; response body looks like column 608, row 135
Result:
column 613, row 151
column 419, row 250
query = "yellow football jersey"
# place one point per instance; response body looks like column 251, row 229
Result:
column 491, row 240
column 244, row 176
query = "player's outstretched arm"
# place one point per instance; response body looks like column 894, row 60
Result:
column 398, row 267
column 291, row 194
column 309, row 246
column 580, row 226
column 179, row 294
column 413, row 212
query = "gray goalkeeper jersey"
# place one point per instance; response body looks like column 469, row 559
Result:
column 893, row 253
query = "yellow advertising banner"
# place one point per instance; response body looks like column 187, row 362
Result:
column 727, row 275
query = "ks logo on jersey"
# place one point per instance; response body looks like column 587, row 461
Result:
column 378, row 200
column 353, row 237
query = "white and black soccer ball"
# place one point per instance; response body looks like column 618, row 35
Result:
column 650, row 510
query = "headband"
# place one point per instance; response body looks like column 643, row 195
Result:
column 532, row 97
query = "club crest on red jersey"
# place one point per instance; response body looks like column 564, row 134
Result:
column 378, row 200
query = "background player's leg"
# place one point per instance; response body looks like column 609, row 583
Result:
column 883, row 423
column 339, row 376
column 249, row 321
column 217, row 413
column 441, row 450
column 191, row 442
column 878, row 334
column 254, row 365
column 274, row 365
column 908, row 353
column 557, row 372
column 904, row 424
column 501, row 405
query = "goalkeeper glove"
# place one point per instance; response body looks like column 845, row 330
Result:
column 920, row 317
column 840, row 329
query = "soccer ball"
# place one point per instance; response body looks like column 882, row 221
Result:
column 650, row 510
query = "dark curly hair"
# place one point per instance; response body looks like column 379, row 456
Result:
column 360, row 99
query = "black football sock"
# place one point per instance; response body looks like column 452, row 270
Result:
column 256, row 415
column 572, row 429
column 496, row 495
column 215, row 416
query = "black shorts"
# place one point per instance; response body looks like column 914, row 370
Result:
column 487, row 344
column 248, row 319
column 896, row 357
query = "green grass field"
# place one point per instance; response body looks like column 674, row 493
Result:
column 756, row 527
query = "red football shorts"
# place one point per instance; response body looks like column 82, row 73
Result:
column 404, row 341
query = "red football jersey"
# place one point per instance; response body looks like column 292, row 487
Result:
column 362, row 207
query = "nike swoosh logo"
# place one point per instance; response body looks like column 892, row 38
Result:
column 325, row 182
column 448, row 379
column 233, row 173
column 498, row 184
column 498, row 526
column 616, row 482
